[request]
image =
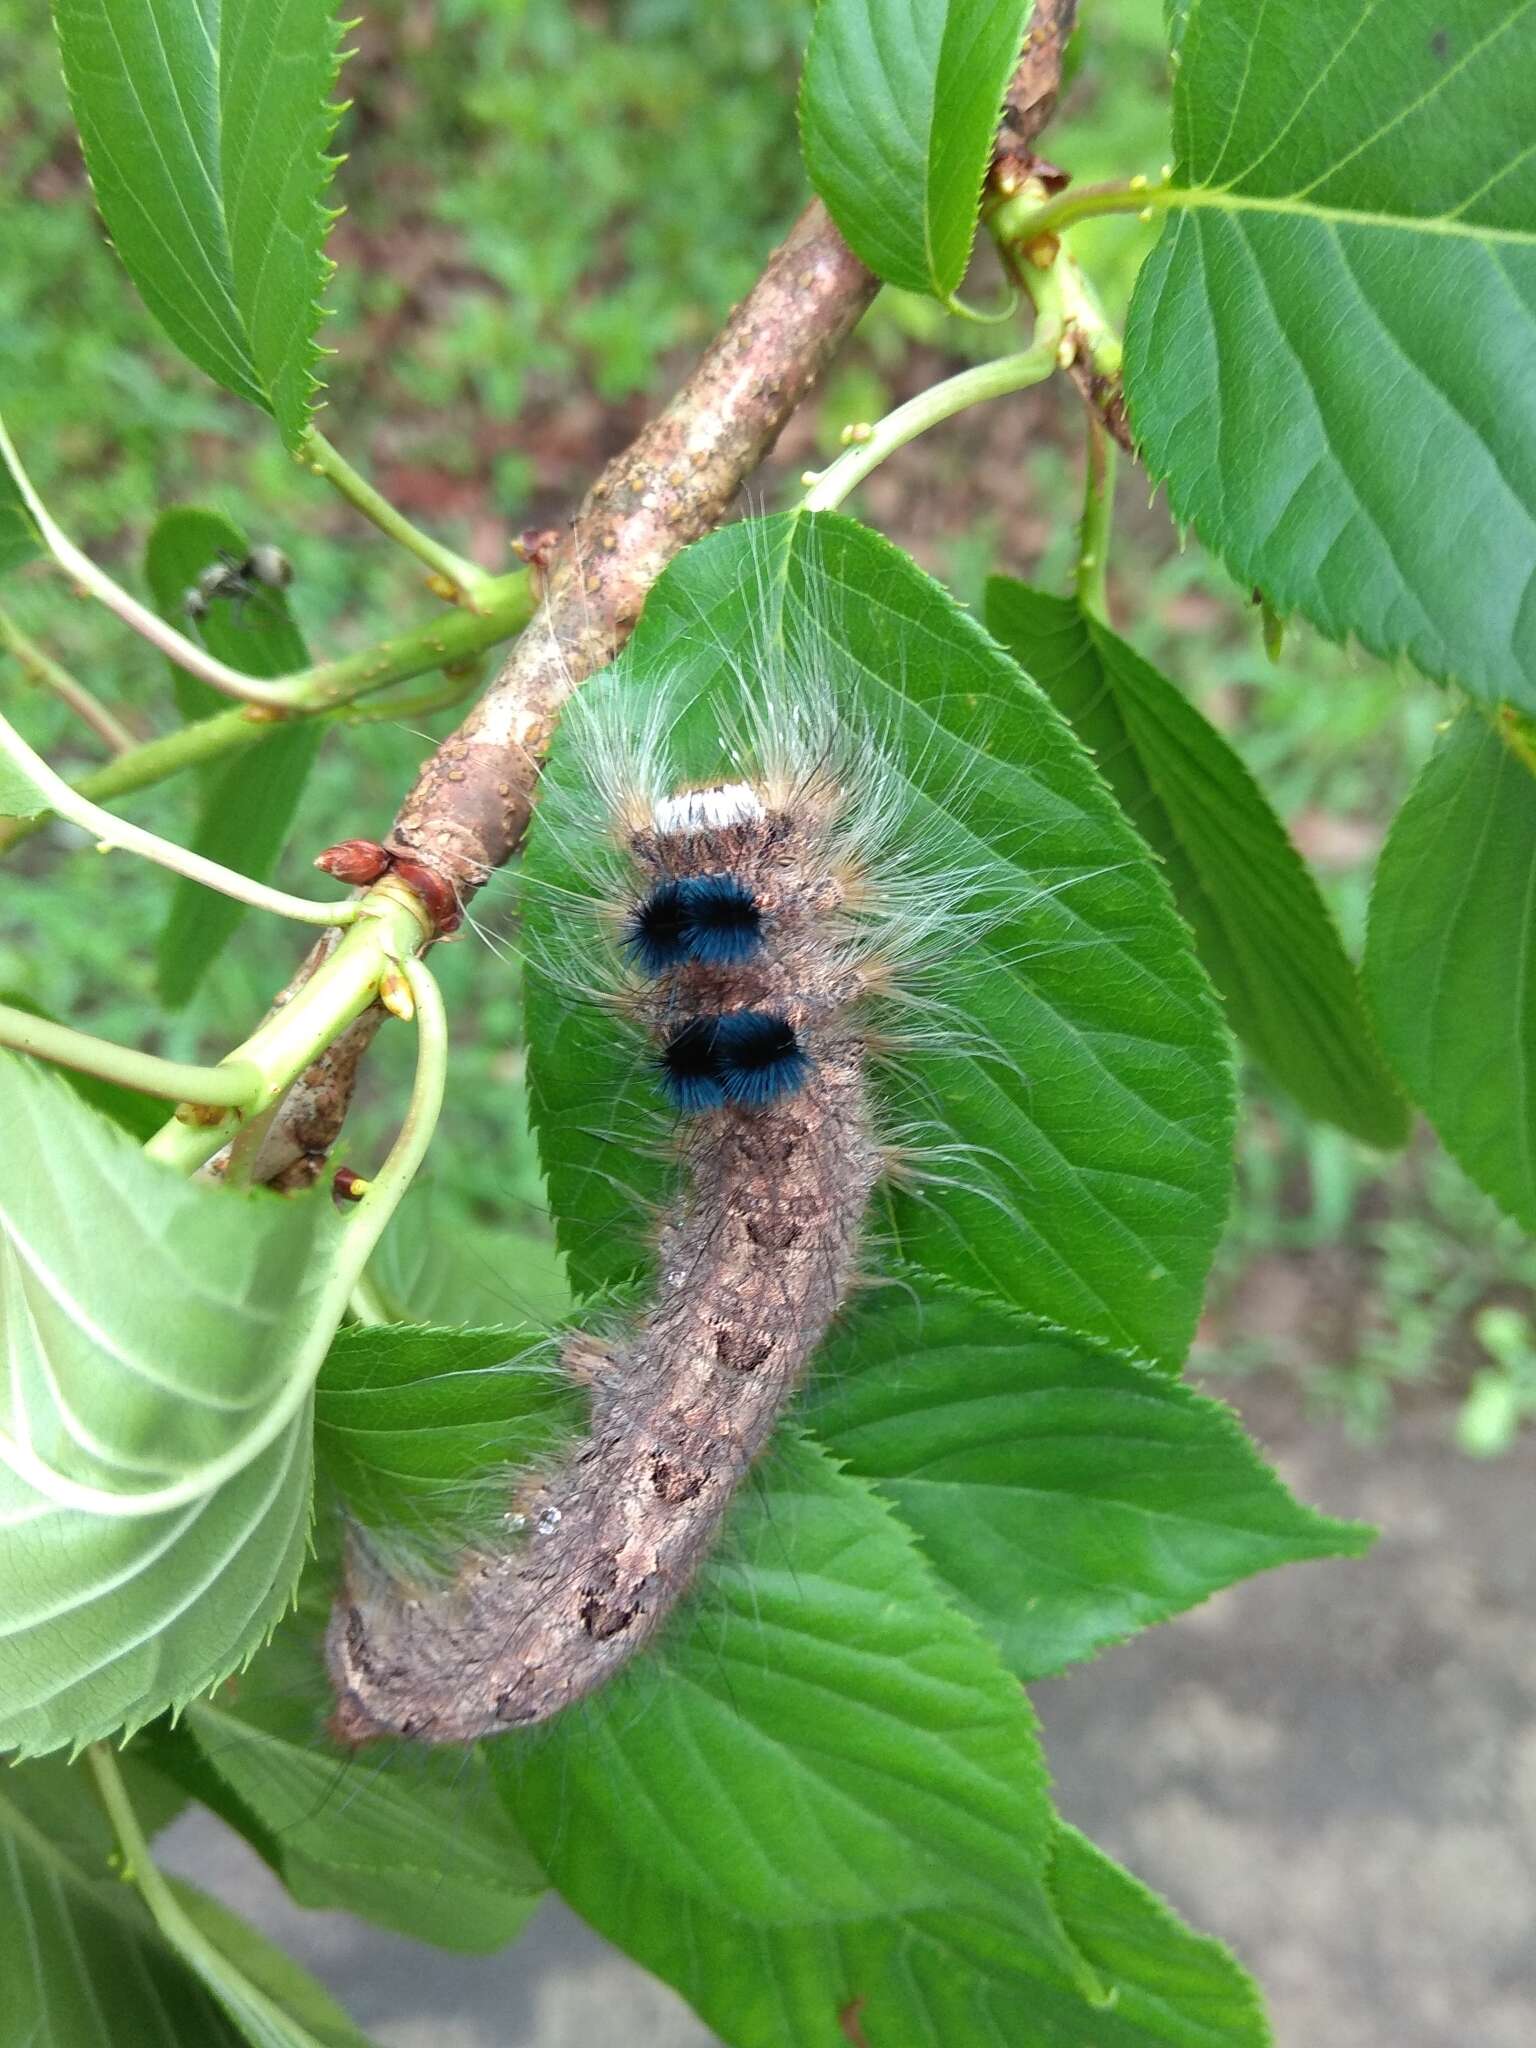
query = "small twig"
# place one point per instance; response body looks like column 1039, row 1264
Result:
column 112, row 833
column 939, row 402
column 329, row 689
column 1032, row 92
column 317, row 455
column 1090, row 350
column 388, row 924
column 226, row 1086
column 42, row 668
column 1097, row 523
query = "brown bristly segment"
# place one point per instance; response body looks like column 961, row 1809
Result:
column 753, row 1264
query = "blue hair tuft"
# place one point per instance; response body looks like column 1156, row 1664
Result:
column 709, row 920
column 751, row 1058
column 723, row 923
column 687, row 1065
column 657, row 929
column 759, row 1058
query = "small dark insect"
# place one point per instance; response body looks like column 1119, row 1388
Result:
column 240, row 579
column 748, row 1058
column 712, row 920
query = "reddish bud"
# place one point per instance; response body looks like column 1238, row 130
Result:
column 354, row 860
column 348, row 1186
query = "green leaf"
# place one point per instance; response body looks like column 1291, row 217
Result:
column 139, row 1115
column 819, row 1733
column 85, row 1966
column 205, row 124
column 929, row 1980
column 19, row 543
column 107, row 1620
column 1065, row 1496
column 1261, row 926
column 248, row 803
column 82, row 1963
column 143, row 1312
column 417, row 1842
column 1450, row 957
column 465, row 1274
column 420, row 1429
column 1329, row 353
column 1074, row 1084
column 155, row 1328
column 898, row 115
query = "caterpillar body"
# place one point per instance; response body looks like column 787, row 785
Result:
column 835, row 874
column 749, row 942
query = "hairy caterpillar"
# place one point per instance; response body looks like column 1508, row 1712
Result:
column 746, row 926
column 750, row 929
column 774, row 895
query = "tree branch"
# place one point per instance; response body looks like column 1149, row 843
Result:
column 472, row 802
column 1031, row 98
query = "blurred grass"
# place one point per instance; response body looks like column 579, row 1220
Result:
column 550, row 205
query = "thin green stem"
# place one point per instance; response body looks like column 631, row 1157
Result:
column 938, row 402
column 112, row 832
column 139, row 1867
column 227, row 1086
column 210, row 739
column 317, row 455
column 1097, row 522
column 448, row 642
column 388, row 927
column 501, row 605
column 256, row 2014
column 453, row 689
column 42, row 668
column 81, row 570
column 1025, row 218
column 1066, row 304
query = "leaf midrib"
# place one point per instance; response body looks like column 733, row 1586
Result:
column 1190, row 198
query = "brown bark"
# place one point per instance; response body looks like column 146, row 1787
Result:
column 1031, row 98
column 470, row 807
